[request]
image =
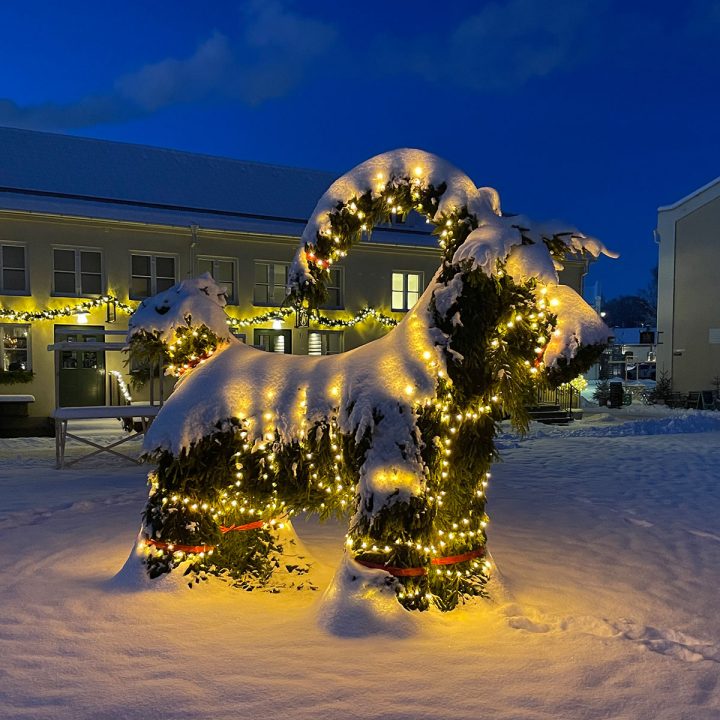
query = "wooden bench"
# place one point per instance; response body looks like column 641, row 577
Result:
column 145, row 414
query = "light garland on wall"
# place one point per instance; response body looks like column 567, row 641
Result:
column 78, row 309
column 269, row 316
column 282, row 314
column 366, row 314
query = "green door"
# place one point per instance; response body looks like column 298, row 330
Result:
column 81, row 372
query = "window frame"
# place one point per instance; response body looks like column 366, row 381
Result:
column 405, row 274
column 233, row 297
column 340, row 288
column 268, row 284
column 323, row 344
column 285, row 333
column 3, row 289
column 28, row 349
column 77, row 272
column 153, row 272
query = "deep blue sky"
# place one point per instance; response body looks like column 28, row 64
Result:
column 593, row 111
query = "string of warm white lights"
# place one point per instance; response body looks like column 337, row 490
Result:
column 471, row 360
column 414, row 572
column 367, row 313
column 82, row 308
column 122, row 385
column 282, row 314
column 190, row 348
column 182, row 550
column 269, row 316
column 342, row 229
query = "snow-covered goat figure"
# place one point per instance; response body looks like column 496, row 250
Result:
column 399, row 432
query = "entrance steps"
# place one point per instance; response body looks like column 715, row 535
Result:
column 550, row 414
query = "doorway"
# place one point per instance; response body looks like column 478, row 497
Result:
column 81, row 375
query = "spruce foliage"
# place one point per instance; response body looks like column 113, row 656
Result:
column 432, row 542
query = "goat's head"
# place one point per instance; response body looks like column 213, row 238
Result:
column 191, row 302
column 495, row 296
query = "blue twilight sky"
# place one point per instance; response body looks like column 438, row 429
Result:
column 593, row 111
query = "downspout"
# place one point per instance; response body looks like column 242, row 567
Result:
column 193, row 249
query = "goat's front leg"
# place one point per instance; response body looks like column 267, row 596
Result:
column 392, row 529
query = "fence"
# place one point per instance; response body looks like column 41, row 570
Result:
column 565, row 397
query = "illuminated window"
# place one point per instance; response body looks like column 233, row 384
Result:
column 406, row 289
column 151, row 274
column 325, row 342
column 13, row 270
column 77, row 272
column 270, row 282
column 223, row 272
column 278, row 341
column 15, row 347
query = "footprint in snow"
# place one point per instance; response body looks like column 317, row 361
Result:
column 702, row 534
column 589, row 625
column 669, row 642
column 525, row 623
column 672, row 643
column 639, row 522
column 530, row 620
column 518, row 619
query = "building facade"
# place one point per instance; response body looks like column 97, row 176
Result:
column 688, row 233
column 89, row 228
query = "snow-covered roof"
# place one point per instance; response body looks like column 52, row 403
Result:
column 84, row 177
column 84, row 168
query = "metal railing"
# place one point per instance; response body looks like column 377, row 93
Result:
column 566, row 397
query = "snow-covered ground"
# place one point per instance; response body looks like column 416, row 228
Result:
column 605, row 534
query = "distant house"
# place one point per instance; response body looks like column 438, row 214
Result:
column 83, row 220
column 631, row 355
column 688, row 233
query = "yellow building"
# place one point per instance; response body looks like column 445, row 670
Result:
column 106, row 223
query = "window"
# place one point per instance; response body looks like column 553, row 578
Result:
column 222, row 271
column 77, row 272
column 279, row 341
column 335, row 288
column 406, row 289
column 151, row 274
column 13, row 270
column 325, row 342
column 14, row 347
column 270, row 282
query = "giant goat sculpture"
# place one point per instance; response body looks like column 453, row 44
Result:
column 397, row 433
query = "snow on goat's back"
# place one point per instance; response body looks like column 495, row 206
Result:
column 288, row 393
